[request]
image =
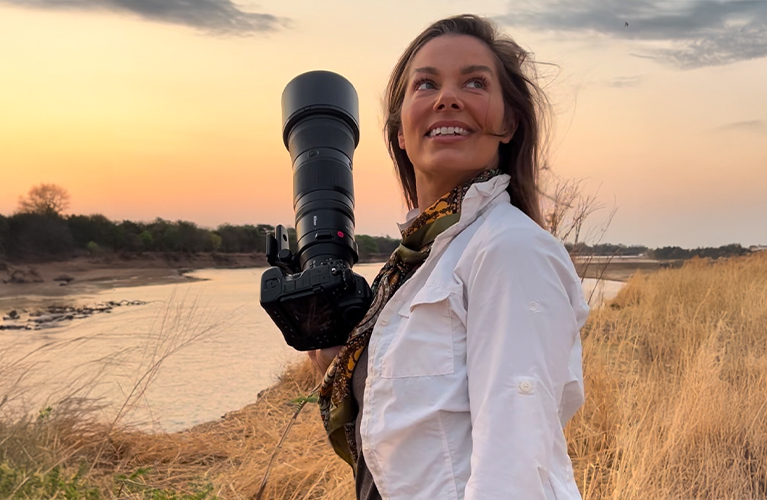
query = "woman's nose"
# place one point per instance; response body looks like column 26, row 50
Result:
column 447, row 99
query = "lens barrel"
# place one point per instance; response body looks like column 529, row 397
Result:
column 321, row 130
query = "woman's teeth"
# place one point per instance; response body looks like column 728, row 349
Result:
column 448, row 131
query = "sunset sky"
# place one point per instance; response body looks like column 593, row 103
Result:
column 171, row 108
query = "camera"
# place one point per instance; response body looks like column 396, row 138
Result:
column 312, row 294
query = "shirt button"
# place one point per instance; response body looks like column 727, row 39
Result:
column 383, row 321
column 525, row 387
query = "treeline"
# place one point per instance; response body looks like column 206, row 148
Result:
column 606, row 249
column 25, row 236
column 45, row 236
column 665, row 253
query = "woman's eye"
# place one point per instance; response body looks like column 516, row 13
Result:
column 424, row 85
column 476, row 84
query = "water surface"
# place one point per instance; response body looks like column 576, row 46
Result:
column 194, row 352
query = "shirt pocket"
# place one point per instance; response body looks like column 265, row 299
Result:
column 423, row 342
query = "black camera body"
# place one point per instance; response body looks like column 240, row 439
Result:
column 312, row 295
column 315, row 308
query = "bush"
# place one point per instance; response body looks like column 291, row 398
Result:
column 93, row 249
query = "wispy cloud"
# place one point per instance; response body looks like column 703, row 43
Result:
column 624, row 82
column 698, row 32
column 212, row 16
column 749, row 125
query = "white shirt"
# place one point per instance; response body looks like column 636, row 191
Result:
column 474, row 365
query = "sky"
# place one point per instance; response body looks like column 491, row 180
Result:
column 171, row 108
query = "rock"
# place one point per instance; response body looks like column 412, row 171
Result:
column 35, row 277
column 13, row 314
column 43, row 318
column 13, row 327
column 30, row 276
column 18, row 277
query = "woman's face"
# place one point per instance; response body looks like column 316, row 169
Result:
column 452, row 100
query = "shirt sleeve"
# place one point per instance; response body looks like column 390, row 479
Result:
column 524, row 309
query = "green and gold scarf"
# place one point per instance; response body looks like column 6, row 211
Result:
column 337, row 406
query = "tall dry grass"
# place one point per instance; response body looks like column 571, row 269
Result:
column 676, row 386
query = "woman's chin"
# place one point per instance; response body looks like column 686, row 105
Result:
column 450, row 165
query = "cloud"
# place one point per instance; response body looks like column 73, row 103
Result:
column 697, row 33
column 624, row 82
column 212, row 16
column 749, row 125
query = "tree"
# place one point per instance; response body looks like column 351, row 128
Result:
column 45, row 199
column 366, row 245
column 567, row 207
column 5, row 233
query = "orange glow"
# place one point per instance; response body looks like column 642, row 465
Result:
column 140, row 120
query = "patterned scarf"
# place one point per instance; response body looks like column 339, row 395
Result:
column 337, row 406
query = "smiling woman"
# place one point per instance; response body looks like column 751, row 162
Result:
column 458, row 381
column 453, row 114
column 490, row 81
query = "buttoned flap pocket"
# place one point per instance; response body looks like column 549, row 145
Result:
column 423, row 343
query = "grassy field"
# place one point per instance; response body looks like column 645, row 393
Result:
column 676, row 386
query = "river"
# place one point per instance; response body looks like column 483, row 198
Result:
column 192, row 353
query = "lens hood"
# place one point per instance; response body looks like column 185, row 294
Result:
column 319, row 93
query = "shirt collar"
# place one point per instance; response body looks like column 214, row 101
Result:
column 409, row 218
column 477, row 196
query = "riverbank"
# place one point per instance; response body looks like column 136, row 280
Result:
column 675, row 371
column 83, row 275
column 619, row 268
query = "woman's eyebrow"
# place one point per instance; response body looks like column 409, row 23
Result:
column 427, row 69
column 469, row 68
column 473, row 68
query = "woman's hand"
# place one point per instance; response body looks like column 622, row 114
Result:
column 323, row 357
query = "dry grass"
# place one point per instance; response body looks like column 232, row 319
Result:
column 676, row 382
column 233, row 453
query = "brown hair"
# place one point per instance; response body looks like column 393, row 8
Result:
column 523, row 100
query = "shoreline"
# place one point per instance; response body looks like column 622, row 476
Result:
column 86, row 275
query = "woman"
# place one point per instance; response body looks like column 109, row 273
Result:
column 459, row 380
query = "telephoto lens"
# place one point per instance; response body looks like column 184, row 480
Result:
column 321, row 130
column 312, row 295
